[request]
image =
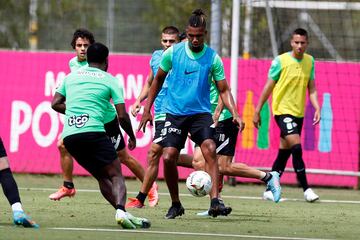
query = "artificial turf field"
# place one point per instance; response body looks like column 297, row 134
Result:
column 89, row 216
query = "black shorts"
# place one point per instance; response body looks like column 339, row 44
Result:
column 289, row 124
column 112, row 130
column 225, row 137
column 176, row 129
column 2, row 149
column 92, row 150
column 159, row 133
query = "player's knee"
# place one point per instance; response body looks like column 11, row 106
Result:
column 169, row 157
column 63, row 151
column 4, row 163
column 208, row 147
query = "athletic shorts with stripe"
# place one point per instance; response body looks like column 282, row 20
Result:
column 112, row 130
column 225, row 137
column 289, row 124
column 176, row 129
column 159, row 133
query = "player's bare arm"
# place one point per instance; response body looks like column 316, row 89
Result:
column 314, row 101
column 135, row 108
column 269, row 86
column 125, row 124
column 218, row 110
column 154, row 90
column 58, row 103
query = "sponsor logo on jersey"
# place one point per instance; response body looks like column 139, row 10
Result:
column 78, row 121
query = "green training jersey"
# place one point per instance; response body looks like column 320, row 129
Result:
column 88, row 92
column 74, row 65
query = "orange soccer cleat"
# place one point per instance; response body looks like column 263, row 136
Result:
column 134, row 203
column 62, row 192
column 153, row 195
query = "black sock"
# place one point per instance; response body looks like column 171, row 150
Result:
column 176, row 204
column 281, row 160
column 141, row 197
column 267, row 177
column 121, row 207
column 9, row 186
column 214, row 202
column 299, row 166
column 69, row 185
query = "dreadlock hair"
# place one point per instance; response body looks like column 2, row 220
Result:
column 197, row 19
column 82, row 33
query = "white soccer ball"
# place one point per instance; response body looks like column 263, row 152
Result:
column 199, row 183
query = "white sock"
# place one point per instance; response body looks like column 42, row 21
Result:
column 17, row 207
column 129, row 215
column 262, row 175
column 120, row 213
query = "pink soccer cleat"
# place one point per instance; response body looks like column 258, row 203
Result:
column 62, row 192
column 153, row 195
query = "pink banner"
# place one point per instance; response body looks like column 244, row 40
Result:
column 30, row 128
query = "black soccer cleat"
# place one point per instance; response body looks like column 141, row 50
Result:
column 174, row 212
column 218, row 208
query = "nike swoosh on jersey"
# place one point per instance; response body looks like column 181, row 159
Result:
column 189, row 72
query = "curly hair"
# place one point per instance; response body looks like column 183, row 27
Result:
column 82, row 33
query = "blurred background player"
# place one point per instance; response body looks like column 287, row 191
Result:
column 82, row 39
column 290, row 75
column 187, row 107
column 11, row 191
column 87, row 93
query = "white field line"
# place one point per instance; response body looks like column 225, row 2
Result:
column 189, row 195
column 222, row 235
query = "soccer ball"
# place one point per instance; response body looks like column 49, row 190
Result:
column 199, row 183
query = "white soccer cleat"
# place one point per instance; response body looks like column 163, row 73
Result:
column 122, row 219
column 267, row 195
column 310, row 196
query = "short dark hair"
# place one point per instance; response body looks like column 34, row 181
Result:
column 197, row 19
column 170, row 30
column 97, row 53
column 82, row 33
column 301, row 32
column 182, row 36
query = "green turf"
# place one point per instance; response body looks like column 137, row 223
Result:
column 250, row 218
